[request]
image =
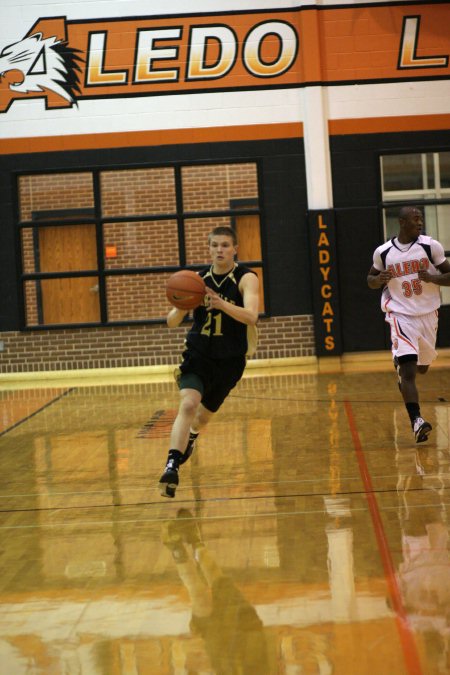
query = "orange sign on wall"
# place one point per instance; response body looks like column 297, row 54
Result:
column 69, row 61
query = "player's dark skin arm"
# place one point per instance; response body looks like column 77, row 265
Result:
column 442, row 279
column 377, row 279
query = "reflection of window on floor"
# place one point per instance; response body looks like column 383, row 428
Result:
column 422, row 179
column 105, row 257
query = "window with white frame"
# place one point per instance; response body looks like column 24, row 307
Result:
column 422, row 179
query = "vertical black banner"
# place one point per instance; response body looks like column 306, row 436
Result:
column 327, row 324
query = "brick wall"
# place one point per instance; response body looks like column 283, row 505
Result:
column 55, row 191
column 137, row 346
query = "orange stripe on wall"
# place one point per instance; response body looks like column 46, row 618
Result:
column 251, row 132
column 383, row 125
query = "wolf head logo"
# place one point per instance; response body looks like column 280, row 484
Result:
column 37, row 64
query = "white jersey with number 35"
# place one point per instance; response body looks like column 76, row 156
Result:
column 405, row 293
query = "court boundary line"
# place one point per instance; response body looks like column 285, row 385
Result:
column 408, row 643
column 253, row 483
column 156, row 519
column 211, row 500
column 35, row 412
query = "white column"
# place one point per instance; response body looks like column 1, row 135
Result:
column 317, row 148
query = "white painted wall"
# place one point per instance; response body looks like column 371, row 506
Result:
column 389, row 100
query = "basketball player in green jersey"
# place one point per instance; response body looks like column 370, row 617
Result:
column 223, row 334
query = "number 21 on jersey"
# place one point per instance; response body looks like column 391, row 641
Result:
column 213, row 322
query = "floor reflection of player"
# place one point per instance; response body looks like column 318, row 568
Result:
column 424, row 573
column 232, row 631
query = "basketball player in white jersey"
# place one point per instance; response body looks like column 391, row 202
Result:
column 410, row 268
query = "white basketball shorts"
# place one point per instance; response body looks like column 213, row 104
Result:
column 414, row 335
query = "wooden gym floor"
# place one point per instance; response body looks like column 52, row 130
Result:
column 308, row 535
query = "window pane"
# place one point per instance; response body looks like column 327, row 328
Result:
column 443, row 225
column 136, row 297
column 437, row 226
column 62, row 301
column 214, row 187
column 68, row 248
column 444, row 165
column 249, row 237
column 141, row 244
column 138, row 191
column 429, row 180
column 430, row 222
column 445, row 295
column 436, row 219
column 407, row 172
column 249, row 248
column 51, row 192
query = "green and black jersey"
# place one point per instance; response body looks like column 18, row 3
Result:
column 214, row 333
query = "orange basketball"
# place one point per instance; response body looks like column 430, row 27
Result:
column 185, row 289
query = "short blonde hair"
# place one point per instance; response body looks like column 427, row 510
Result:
column 223, row 231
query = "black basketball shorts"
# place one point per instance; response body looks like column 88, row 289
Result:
column 214, row 378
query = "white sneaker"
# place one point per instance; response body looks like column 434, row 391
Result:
column 421, row 430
